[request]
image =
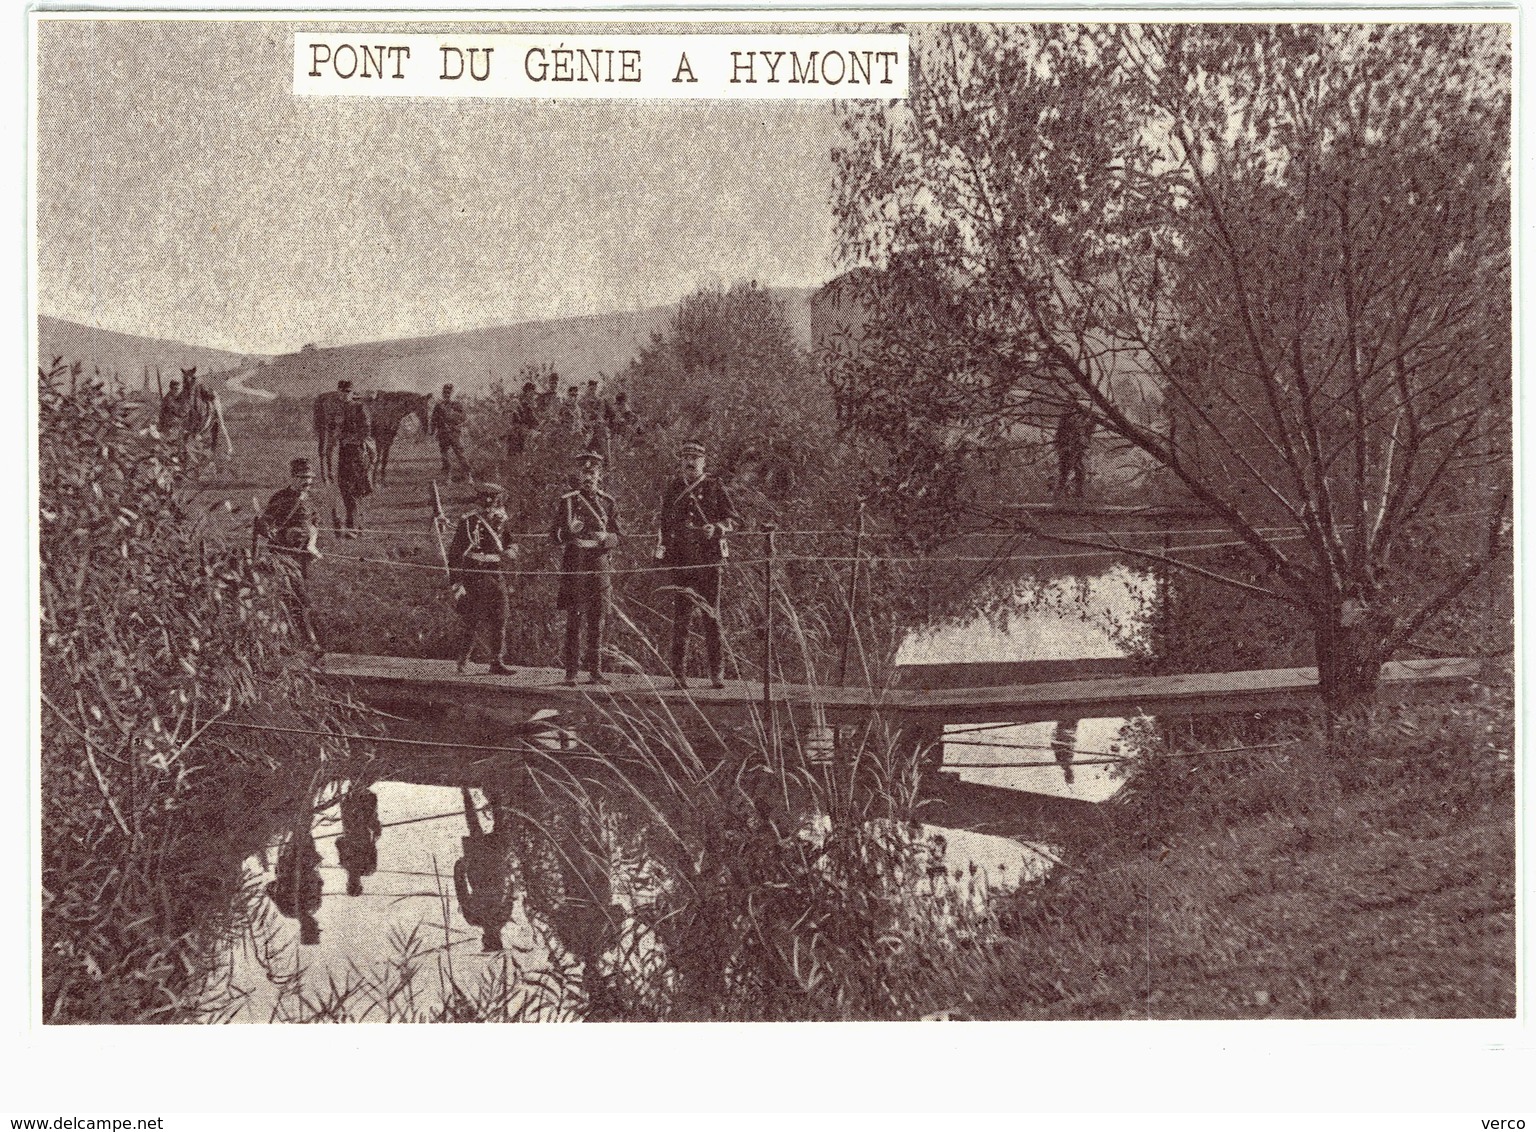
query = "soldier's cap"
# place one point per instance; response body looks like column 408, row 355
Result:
column 300, row 467
column 691, row 448
column 489, row 491
column 448, row 388
column 590, row 457
column 344, row 386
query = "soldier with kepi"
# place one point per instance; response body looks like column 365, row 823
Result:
column 696, row 516
column 482, row 549
column 586, row 526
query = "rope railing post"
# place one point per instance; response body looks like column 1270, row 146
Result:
column 853, row 593
column 768, row 529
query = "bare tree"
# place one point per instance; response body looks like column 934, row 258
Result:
column 1275, row 260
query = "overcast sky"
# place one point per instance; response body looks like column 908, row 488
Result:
column 183, row 192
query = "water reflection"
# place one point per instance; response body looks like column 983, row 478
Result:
column 357, row 847
column 483, row 877
column 296, row 889
column 1070, row 618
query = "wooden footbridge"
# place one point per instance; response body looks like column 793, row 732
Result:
column 1026, row 692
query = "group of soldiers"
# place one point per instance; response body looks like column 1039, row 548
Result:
column 696, row 516
column 590, row 417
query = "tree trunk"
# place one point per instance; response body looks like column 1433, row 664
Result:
column 1350, row 652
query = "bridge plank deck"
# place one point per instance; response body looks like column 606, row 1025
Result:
column 435, row 681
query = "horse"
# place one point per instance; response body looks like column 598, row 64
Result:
column 389, row 410
column 199, row 417
column 327, row 423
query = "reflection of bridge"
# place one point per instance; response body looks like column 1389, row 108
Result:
column 931, row 694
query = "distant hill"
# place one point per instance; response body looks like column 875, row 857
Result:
column 127, row 354
column 579, row 348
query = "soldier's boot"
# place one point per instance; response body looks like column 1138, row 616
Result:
column 682, row 615
column 466, row 647
column 595, row 621
column 712, row 647
column 499, row 665
column 572, row 644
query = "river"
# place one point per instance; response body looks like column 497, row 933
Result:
column 409, row 916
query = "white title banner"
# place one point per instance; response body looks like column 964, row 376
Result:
column 826, row 65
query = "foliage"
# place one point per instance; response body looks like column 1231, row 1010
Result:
column 726, row 370
column 154, row 639
column 1274, row 260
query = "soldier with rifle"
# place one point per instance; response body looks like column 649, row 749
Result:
column 586, row 526
column 291, row 528
column 696, row 516
column 482, row 549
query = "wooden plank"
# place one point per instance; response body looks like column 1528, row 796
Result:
column 1006, row 673
column 1210, row 693
column 435, row 681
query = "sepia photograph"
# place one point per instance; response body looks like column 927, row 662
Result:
column 755, row 519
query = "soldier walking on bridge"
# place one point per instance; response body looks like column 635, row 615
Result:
column 482, row 549
column 696, row 515
column 586, row 525
column 447, row 424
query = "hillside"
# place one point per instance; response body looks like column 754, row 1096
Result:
column 579, row 348
column 126, row 354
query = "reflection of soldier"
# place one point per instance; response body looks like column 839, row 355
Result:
column 288, row 524
column 483, row 878
column 296, row 890
column 1063, row 744
column 586, row 525
column 481, row 549
column 1074, row 433
column 696, row 515
column 358, row 846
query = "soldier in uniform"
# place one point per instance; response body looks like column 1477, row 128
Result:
column 171, row 410
column 586, row 525
column 696, row 515
column 447, row 424
column 327, row 416
column 289, row 525
column 591, row 404
column 570, row 411
column 481, row 550
column 356, row 455
column 1074, row 433
column 524, row 422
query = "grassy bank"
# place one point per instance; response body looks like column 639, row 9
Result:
column 1375, row 882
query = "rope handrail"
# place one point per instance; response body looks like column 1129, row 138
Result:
column 832, row 558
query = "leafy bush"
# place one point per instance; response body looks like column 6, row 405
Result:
column 154, row 640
